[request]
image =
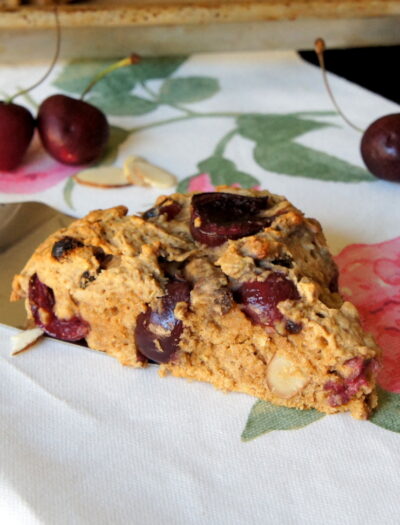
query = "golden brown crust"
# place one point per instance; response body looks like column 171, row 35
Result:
column 219, row 343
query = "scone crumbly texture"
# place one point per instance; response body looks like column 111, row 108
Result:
column 118, row 267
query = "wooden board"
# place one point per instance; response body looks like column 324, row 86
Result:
column 104, row 28
column 156, row 12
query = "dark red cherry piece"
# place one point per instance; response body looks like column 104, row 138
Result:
column 16, row 131
column 41, row 300
column 157, row 333
column 217, row 217
column 261, row 298
column 71, row 130
column 341, row 390
column 380, row 148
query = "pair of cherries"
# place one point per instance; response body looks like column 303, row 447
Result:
column 71, row 130
column 75, row 132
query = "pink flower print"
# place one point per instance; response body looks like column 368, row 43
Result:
column 370, row 274
column 370, row 278
column 201, row 182
column 37, row 173
column 384, row 324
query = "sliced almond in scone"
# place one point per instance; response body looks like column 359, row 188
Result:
column 284, row 379
column 140, row 172
column 103, row 177
column 25, row 340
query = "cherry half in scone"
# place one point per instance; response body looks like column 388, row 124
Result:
column 41, row 300
column 217, row 217
column 260, row 299
column 157, row 332
column 341, row 389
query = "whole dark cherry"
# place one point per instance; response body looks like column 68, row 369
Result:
column 16, row 131
column 380, row 142
column 157, row 332
column 217, row 217
column 260, row 299
column 71, row 130
column 380, row 148
column 41, row 300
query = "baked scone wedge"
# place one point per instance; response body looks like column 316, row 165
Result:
column 236, row 288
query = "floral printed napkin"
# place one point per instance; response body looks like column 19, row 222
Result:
column 251, row 120
column 84, row 440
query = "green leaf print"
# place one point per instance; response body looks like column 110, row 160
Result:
column 274, row 135
column 274, row 129
column 117, row 137
column 183, row 185
column 294, row 159
column 77, row 74
column 124, row 105
column 189, row 89
column 151, row 68
column 387, row 414
column 265, row 417
column 67, row 192
column 223, row 172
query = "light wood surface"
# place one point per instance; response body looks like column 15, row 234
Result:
column 112, row 28
column 154, row 12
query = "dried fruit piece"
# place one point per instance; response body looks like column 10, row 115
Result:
column 261, row 298
column 169, row 207
column 86, row 279
column 293, row 328
column 217, row 217
column 284, row 260
column 157, row 332
column 103, row 258
column 105, row 177
column 284, row 378
column 41, row 300
column 25, row 340
column 65, row 245
column 141, row 173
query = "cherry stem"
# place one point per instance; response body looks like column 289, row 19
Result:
column 319, row 47
column 128, row 61
column 53, row 62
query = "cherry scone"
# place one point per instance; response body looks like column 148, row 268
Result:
column 234, row 287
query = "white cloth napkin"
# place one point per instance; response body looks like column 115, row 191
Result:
column 85, row 440
column 260, row 82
